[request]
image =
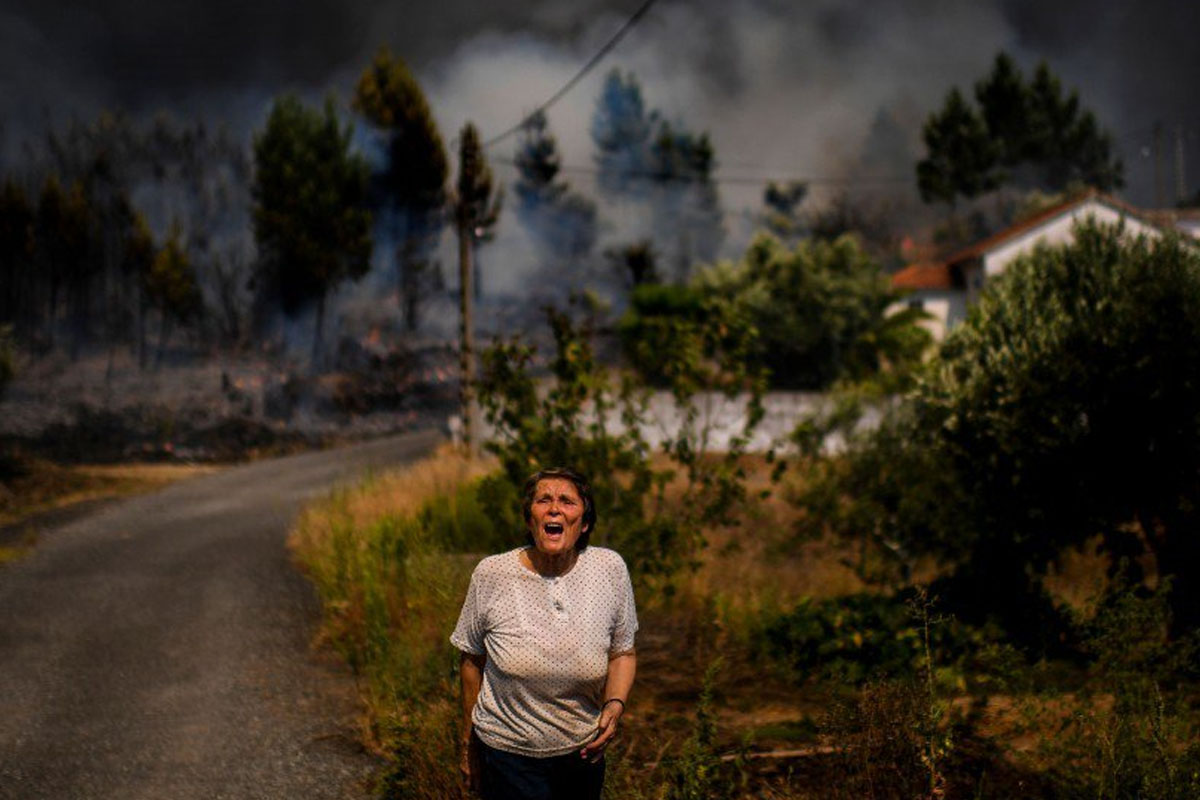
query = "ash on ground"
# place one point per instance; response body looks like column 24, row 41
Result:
column 225, row 408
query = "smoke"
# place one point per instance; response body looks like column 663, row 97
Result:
column 829, row 91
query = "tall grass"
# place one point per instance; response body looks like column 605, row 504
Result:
column 391, row 561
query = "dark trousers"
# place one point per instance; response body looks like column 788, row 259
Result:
column 508, row 776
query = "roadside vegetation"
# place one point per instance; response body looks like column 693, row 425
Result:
column 979, row 598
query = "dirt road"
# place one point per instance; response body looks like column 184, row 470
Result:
column 161, row 648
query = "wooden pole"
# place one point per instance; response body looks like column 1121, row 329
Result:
column 466, row 357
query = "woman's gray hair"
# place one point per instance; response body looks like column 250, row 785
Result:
column 585, row 494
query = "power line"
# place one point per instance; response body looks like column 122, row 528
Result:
column 732, row 179
column 592, row 62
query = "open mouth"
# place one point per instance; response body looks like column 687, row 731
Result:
column 553, row 528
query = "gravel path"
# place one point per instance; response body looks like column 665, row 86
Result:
column 161, row 647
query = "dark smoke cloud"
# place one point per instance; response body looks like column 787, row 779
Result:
column 783, row 85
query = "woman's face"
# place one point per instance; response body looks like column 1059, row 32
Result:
column 556, row 516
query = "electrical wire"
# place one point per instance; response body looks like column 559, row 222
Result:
column 732, row 179
column 592, row 62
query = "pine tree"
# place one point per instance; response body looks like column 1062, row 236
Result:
column 962, row 157
column 561, row 221
column 311, row 220
column 410, row 190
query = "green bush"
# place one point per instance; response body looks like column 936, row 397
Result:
column 1136, row 735
column 1062, row 408
column 864, row 637
column 584, row 418
column 822, row 312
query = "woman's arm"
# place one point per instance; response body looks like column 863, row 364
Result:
column 622, row 668
column 471, row 670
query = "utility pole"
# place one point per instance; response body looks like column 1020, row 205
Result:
column 476, row 209
column 466, row 235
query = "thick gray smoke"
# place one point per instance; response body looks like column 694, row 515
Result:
column 831, row 91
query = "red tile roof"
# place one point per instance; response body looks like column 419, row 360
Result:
column 947, row 274
column 923, row 275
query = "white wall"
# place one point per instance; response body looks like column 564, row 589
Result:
column 1059, row 231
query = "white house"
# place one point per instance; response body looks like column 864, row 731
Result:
column 944, row 289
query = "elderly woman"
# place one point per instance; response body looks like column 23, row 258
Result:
column 546, row 635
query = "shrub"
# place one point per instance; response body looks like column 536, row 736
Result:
column 1135, row 735
column 1062, row 408
column 866, row 636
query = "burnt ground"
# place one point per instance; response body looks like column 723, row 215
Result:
column 161, row 647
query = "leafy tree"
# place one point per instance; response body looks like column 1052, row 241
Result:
column 410, row 190
column 1062, row 409
column 310, row 216
column 170, row 284
column 562, row 221
column 821, row 311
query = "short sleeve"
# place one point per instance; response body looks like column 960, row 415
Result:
column 625, row 624
column 468, row 633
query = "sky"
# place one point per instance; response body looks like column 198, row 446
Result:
column 830, row 91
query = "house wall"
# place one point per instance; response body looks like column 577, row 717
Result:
column 945, row 307
column 1059, row 231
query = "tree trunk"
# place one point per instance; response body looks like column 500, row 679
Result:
column 164, row 333
column 466, row 359
column 315, row 363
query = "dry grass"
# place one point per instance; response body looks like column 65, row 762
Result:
column 400, row 492
column 45, row 486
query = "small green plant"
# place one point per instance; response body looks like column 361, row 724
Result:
column 1135, row 736
column 696, row 774
column 866, row 637
column 894, row 737
column 586, row 418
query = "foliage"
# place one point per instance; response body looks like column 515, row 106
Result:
column 661, row 166
column 582, row 419
column 621, row 130
column 310, row 216
column 170, row 284
column 685, row 198
column 385, row 559
column 866, row 636
column 677, row 337
column 563, row 222
column 635, row 264
column 477, row 202
column 409, row 189
column 1028, row 134
column 961, row 155
column 1061, row 409
column 696, row 774
column 821, row 311
column 782, row 202
column 1134, row 735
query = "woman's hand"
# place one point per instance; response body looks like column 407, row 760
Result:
column 471, row 765
column 610, row 715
